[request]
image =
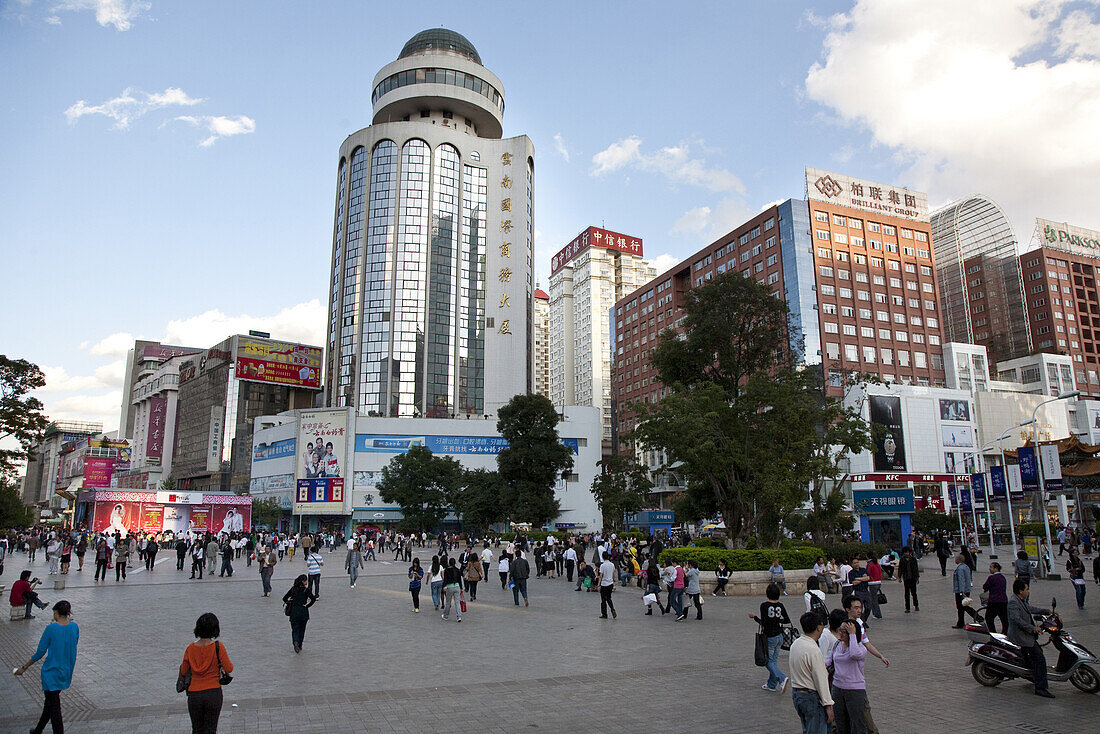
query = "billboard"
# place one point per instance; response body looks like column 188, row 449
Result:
column 369, row 443
column 596, row 237
column 954, row 410
column 215, row 438
column 997, row 485
column 1066, row 237
column 154, row 438
column 126, row 513
column 957, row 436
column 322, row 456
column 278, row 363
column 882, row 501
column 887, row 433
column 274, row 450
column 858, row 193
column 98, row 471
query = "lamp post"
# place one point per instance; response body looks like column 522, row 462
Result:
column 979, row 455
column 1042, row 487
column 1004, row 469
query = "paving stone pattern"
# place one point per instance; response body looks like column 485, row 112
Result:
column 371, row 664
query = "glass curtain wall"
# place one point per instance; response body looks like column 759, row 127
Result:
column 443, row 284
column 378, row 263
column 337, row 263
column 471, row 307
column 407, row 367
column 352, row 276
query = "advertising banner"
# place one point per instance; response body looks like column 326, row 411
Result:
column 977, row 484
column 230, row 518
column 176, row 518
column 1015, row 481
column 887, row 433
column 154, row 438
column 98, row 471
column 116, row 516
column 122, row 462
column 954, row 410
column 278, row 363
column 200, row 519
column 883, row 501
column 273, row 450
column 1052, row 467
column 997, row 486
column 452, row 445
column 957, row 436
column 322, row 454
column 964, row 498
column 215, row 437
column 1029, row 468
column 152, row 517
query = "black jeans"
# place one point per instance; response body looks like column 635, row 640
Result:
column 943, row 565
column 1038, row 663
column 314, row 583
column 698, row 607
column 960, row 608
column 569, row 570
column 504, row 579
column 179, row 559
column 298, row 631
column 150, row 559
column 997, row 610
column 204, row 708
column 910, row 591
column 101, row 570
column 605, row 600
column 51, row 712
column 471, row 586
column 120, row 568
column 227, row 566
column 416, row 597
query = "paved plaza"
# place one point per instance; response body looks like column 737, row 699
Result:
column 370, row 664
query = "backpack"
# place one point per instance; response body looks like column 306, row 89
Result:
column 816, row 605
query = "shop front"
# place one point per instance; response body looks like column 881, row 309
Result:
column 156, row 512
column 652, row 521
column 885, row 513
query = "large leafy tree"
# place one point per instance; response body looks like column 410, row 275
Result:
column 743, row 423
column 534, row 460
column 621, row 487
column 21, row 417
column 424, row 485
column 13, row 513
column 480, row 500
column 267, row 512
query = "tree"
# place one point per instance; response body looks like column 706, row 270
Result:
column 480, row 500
column 168, row 484
column 927, row 520
column 21, row 416
column 747, row 427
column 267, row 512
column 534, row 460
column 13, row 513
column 621, row 487
column 424, row 485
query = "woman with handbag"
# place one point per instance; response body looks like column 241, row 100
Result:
column 298, row 601
column 472, row 575
column 206, row 667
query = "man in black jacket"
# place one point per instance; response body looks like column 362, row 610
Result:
column 909, row 576
column 520, row 571
column 943, row 552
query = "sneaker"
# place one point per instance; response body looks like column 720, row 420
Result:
column 681, row 618
column 443, row 617
column 766, row 687
column 783, row 685
column 353, row 586
column 460, row 619
column 417, row 611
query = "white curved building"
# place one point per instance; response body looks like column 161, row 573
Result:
column 981, row 286
column 432, row 280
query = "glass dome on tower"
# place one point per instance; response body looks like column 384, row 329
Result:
column 440, row 39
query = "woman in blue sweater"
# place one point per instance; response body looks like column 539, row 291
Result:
column 59, row 644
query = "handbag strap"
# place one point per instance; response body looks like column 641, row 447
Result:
column 217, row 654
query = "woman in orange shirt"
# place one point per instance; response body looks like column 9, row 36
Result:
column 205, row 659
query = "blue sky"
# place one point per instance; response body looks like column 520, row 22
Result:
column 168, row 168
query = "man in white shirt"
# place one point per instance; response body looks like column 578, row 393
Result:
column 845, row 587
column 570, row 563
column 486, row 560
column 809, row 679
column 606, row 580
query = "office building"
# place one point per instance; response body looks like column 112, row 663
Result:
column 542, row 343
column 588, row 275
column 981, row 288
column 141, row 361
column 43, row 468
column 432, row 271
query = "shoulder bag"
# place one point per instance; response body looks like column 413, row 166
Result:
column 790, row 634
column 223, row 677
column 760, row 654
column 183, row 681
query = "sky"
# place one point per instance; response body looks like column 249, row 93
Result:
column 168, row 169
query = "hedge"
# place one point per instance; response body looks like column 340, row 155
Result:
column 847, row 551
column 742, row 560
column 1033, row 528
column 709, row 543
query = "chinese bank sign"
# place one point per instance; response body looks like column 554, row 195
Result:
column 1060, row 236
column 857, row 193
column 596, row 237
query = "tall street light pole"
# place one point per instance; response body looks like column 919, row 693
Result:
column 1042, row 486
column 1004, row 470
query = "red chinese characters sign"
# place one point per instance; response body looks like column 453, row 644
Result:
column 154, row 440
column 280, row 363
column 98, row 471
column 596, row 237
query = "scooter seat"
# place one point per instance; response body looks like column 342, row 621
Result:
column 1004, row 640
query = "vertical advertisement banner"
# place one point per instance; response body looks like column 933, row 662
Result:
column 322, row 453
column 200, row 519
column 964, row 498
column 977, row 484
column 1052, row 467
column 152, row 517
column 215, row 438
column 997, row 486
column 176, row 518
column 154, row 438
column 1029, row 468
column 887, row 433
column 1015, row 481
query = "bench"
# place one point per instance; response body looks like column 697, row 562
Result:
column 18, row 613
column 754, row 583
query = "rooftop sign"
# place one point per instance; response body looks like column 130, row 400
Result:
column 858, row 193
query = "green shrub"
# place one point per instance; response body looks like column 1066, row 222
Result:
column 742, row 560
column 791, row 543
column 1032, row 528
column 846, row 551
column 709, row 543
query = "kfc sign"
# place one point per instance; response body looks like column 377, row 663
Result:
column 858, row 193
column 596, row 237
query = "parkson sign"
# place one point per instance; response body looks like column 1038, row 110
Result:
column 1061, row 235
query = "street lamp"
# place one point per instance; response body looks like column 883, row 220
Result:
column 1042, row 487
column 979, row 456
column 1004, row 470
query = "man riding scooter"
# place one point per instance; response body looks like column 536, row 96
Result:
column 1023, row 631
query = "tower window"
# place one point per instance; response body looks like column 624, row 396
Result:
column 447, row 115
column 425, row 113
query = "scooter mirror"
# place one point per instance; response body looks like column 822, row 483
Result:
column 1053, row 604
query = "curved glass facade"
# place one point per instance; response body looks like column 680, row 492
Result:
column 471, row 309
column 378, row 264
column 349, row 291
column 442, row 39
column 407, row 372
column 439, row 76
column 337, row 253
column 442, row 283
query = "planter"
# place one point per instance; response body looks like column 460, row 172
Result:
column 754, row 583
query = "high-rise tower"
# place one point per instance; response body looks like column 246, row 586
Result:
column 432, row 283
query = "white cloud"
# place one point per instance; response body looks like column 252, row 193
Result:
column 59, row 380
column 674, row 162
column 304, row 323
column 53, row 20
column 119, row 13
column 995, row 96
column 221, row 127
column 115, row 345
column 559, row 145
column 131, row 104
column 664, row 262
column 693, row 221
column 102, row 408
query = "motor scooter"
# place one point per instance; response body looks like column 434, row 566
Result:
column 994, row 658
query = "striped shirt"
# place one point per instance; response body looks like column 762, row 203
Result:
column 314, row 561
